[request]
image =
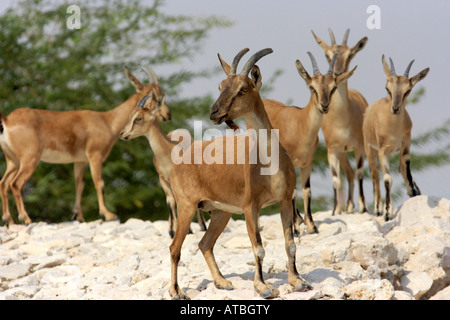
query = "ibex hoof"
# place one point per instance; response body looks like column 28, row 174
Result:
column 109, row 217
column 270, row 293
column 299, row 284
column 415, row 191
column 178, row 294
column 25, row 220
column 313, row 229
column 8, row 221
column 224, row 285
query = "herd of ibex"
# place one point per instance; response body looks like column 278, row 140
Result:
column 348, row 123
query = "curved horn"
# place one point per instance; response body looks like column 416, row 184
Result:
column 333, row 40
column 330, row 71
column 142, row 102
column 152, row 78
column 408, row 68
column 344, row 41
column 237, row 59
column 392, row 67
column 251, row 62
column 314, row 63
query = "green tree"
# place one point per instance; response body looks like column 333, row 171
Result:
column 46, row 65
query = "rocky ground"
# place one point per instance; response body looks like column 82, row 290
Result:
column 354, row 256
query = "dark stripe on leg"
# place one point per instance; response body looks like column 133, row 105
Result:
column 388, row 199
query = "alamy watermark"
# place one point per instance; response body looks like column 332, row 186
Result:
column 235, row 147
column 74, row 20
column 374, row 20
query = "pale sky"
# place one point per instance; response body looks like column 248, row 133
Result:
column 409, row 30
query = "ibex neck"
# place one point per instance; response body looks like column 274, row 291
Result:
column 258, row 119
column 340, row 97
column 313, row 115
column 118, row 117
column 160, row 143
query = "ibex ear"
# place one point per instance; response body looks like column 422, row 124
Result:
column 420, row 76
column 302, row 72
column 256, row 77
column 345, row 75
column 133, row 80
column 387, row 70
column 359, row 46
column 225, row 66
column 320, row 42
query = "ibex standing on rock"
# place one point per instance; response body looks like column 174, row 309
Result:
column 228, row 188
column 143, row 121
column 387, row 129
column 28, row 136
column 299, row 127
column 342, row 126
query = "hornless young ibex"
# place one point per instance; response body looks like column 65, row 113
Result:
column 387, row 129
column 143, row 121
column 299, row 127
column 236, row 187
column 28, row 136
column 342, row 126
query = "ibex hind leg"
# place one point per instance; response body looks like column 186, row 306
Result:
column 26, row 169
column 11, row 171
column 294, row 278
column 219, row 220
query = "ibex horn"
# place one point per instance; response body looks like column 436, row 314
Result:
column 251, row 62
column 333, row 40
column 314, row 63
column 392, row 67
column 330, row 71
column 152, row 78
column 344, row 41
column 408, row 68
column 237, row 59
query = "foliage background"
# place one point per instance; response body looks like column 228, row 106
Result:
column 46, row 65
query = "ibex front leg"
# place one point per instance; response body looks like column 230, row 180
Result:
column 405, row 170
column 305, row 175
column 185, row 215
column 373, row 166
column 387, row 179
column 345, row 163
column 333, row 162
column 252, row 223
column 96, row 162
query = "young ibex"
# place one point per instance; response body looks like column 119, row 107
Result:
column 342, row 126
column 236, row 187
column 143, row 121
column 387, row 129
column 28, row 136
column 299, row 127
